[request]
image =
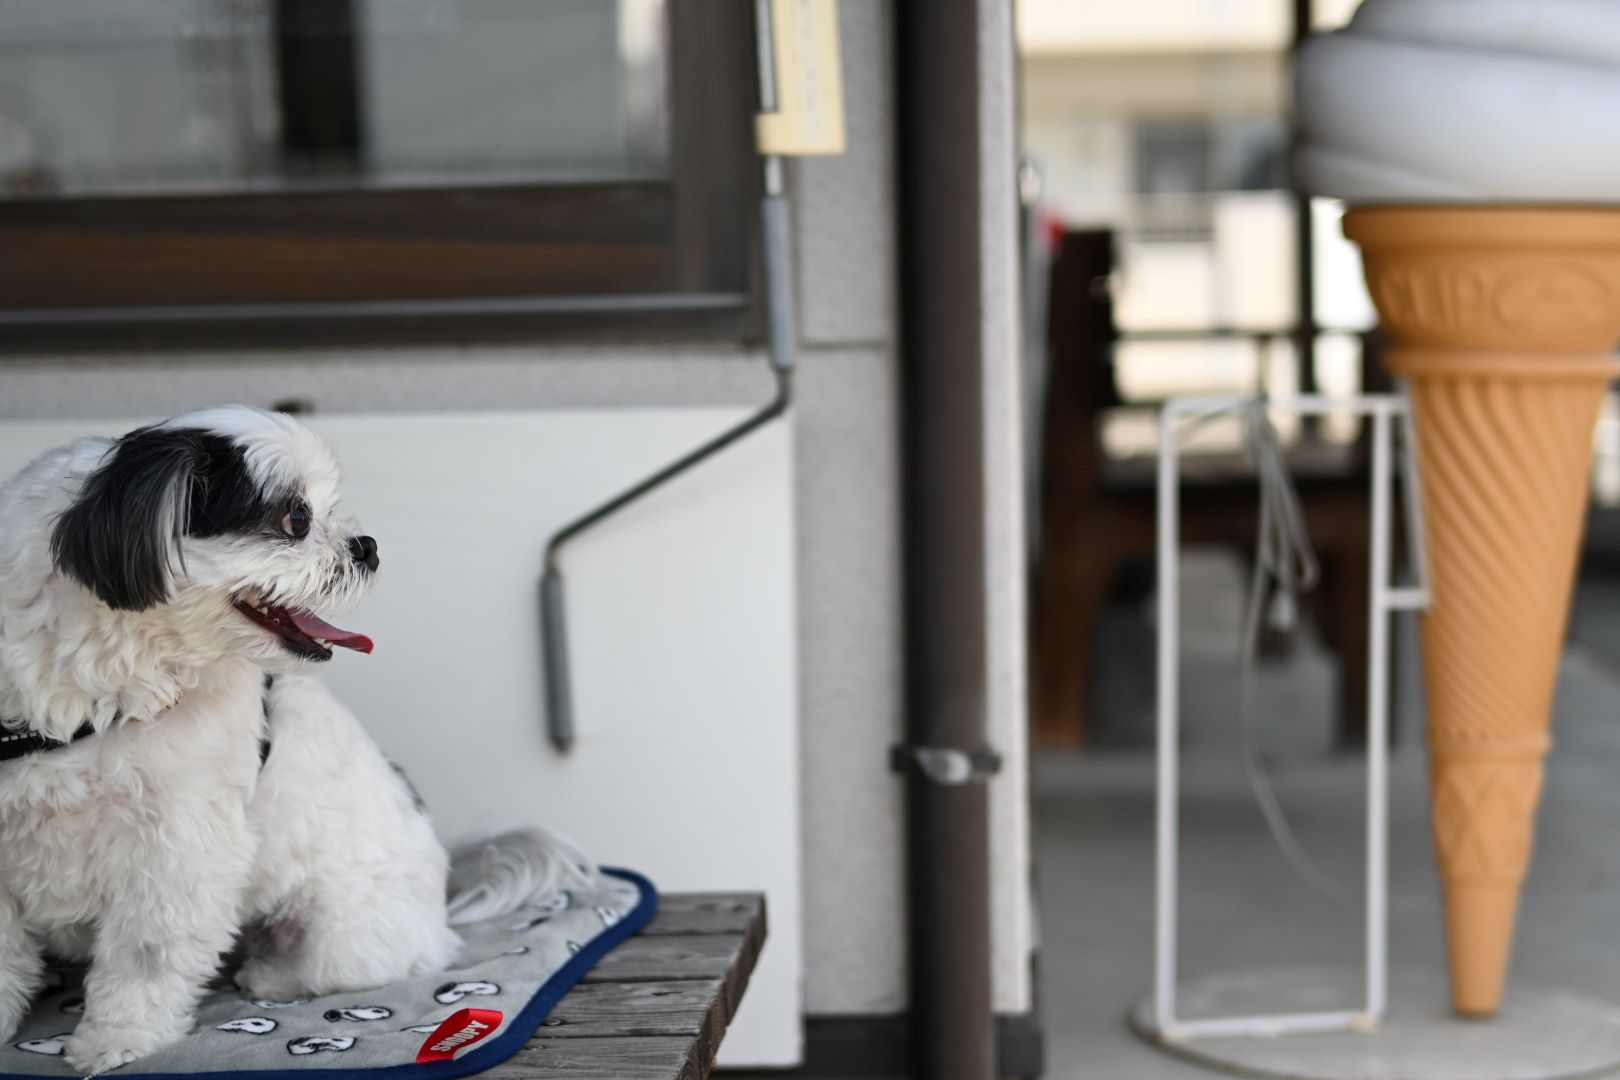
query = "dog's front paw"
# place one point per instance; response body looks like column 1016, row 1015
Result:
column 98, row 1048
column 268, row 979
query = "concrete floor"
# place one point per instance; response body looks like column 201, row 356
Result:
column 1243, row 905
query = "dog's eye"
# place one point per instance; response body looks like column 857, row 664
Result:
column 296, row 523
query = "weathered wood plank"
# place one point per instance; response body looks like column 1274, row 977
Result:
column 742, row 968
column 660, row 1058
column 689, row 901
column 703, row 1019
column 603, row 1010
column 659, row 959
column 705, row 913
column 656, row 1007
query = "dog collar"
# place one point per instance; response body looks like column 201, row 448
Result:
column 20, row 744
column 14, row 745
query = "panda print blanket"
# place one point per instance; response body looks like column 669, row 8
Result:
column 514, row 971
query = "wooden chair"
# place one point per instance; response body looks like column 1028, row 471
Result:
column 1094, row 518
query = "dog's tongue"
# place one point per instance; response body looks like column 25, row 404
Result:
column 317, row 627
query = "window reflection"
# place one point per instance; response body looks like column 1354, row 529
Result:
column 119, row 97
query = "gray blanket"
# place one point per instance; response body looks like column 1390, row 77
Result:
column 513, row 971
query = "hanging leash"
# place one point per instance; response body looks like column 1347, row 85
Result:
column 1285, row 566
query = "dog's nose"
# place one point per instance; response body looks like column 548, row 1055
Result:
column 364, row 549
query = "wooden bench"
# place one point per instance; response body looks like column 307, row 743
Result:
column 656, row 1007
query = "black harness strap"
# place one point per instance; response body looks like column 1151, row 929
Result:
column 18, row 744
column 264, row 738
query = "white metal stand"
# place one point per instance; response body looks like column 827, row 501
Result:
column 1386, row 598
column 1540, row 1034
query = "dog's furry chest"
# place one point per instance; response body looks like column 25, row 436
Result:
column 80, row 824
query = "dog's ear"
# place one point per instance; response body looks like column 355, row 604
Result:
column 121, row 537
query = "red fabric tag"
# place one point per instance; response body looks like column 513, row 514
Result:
column 463, row 1029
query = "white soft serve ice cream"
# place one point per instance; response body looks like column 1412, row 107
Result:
column 1464, row 100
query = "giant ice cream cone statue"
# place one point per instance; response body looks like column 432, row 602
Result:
column 1473, row 141
column 1504, row 323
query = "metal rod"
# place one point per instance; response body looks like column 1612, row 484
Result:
column 1264, row 1026
column 778, row 405
column 781, row 312
column 1377, row 913
column 765, row 49
column 1412, row 489
column 560, row 727
column 1169, row 727
column 1304, row 242
column 554, row 655
column 1190, row 406
column 1408, row 599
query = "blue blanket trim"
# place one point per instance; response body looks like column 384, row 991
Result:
column 487, row 1055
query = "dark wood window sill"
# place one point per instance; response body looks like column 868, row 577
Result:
column 672, row 259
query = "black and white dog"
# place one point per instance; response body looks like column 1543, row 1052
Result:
column 147, row 587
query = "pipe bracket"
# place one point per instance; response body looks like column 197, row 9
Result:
column 946, row 766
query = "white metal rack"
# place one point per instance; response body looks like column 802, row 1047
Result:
column 1385, row 411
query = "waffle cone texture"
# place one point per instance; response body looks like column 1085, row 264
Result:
column 1503, row 322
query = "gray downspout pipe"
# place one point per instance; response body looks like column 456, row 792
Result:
column 942, row 363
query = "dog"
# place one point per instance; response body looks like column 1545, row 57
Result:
column 174, row 783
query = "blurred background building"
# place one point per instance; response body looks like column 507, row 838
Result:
column 1168, row 124
column 1170, row 254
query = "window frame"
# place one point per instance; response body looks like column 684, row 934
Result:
column 669, row 258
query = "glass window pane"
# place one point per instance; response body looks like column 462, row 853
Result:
column 1339, row 364
column 114, row 97
column 1179, row 146
column 1332, row 14
column 1342, row 302
column 1152, row 370
column 1606, row 463
column 565, row 89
